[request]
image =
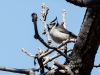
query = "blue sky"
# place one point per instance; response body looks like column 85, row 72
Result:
column 17, row 30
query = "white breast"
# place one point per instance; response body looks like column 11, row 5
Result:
column 58, row 36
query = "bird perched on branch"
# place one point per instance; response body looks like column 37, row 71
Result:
column 58, row 33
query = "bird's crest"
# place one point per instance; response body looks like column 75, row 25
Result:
column 54, row 22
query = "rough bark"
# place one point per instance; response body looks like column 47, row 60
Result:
column 85, row 3
column 88, row 40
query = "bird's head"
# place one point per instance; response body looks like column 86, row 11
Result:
column 52, row 23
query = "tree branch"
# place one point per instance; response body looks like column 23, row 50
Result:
column 88, row 40
column 22, row 71
column 97, row 65
column 40, row 64
column 85, row 3
column 37, row 36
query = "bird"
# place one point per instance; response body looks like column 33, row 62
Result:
column 58, row 33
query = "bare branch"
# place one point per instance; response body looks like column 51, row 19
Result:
column 65, row 42
column 63, row 18
column 40, row 63
column 44, row 15
column 96, row 65
column 53, row 66
column 29, row 54
column 22, row 71
column 37, row 36
column 43, row 9
column 85, row 3
column 66, row 68
column 31, row 72
column 40, row 51
column 47, row 9
column 59, row 65
column 63, row 54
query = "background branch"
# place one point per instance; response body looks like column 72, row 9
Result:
column 15, row 70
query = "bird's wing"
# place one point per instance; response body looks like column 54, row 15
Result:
column 63, row 30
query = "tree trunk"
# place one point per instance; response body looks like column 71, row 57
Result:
column 88, row 40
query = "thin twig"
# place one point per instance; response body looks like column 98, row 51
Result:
column 53, row 66
column 40, row 51
column 44, row 15
column 29, row 54
column 65, row 42
column 50, row 59
column 96, row 65
column 63, row 18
